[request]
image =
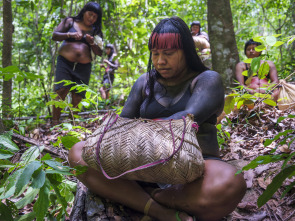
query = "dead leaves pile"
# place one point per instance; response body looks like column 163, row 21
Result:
column 248, row 130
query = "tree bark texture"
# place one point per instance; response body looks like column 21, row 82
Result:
column 6, row 55
column 1, row 127
column 90, row 207
column 292, row 51
column 223, row 44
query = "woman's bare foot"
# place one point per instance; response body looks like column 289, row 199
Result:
column 162, row 213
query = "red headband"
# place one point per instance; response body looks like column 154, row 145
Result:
column 165, row 41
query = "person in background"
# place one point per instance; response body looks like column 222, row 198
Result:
column 176, row 84
column 111, row 64
column 201, row 39
column 82, row 40
column 256, row 85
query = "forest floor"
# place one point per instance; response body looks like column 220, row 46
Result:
column 248, row 131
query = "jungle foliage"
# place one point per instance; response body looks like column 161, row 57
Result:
column 127, row 24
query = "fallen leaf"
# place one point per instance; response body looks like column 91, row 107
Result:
column 264, row 182
column 284, row 148
column 248, row 176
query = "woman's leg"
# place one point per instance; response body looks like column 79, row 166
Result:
column 56, row 111
column 211, row 197
column 126, row 192
column 103, row 93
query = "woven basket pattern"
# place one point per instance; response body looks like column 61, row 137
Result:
column 131, row 143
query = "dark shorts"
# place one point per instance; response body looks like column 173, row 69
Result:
column 208, row 157
column 108, row 79
column 76, row 72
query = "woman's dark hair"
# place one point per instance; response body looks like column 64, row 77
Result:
column 94, row 7
column 112, row 49
column 196, row 23
column 172, row 33
column 250, row 42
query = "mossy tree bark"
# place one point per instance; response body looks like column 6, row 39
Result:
column 223, row 44
column 6, row 55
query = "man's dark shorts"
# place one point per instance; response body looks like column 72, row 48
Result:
column 76, row 72
column 108, row 79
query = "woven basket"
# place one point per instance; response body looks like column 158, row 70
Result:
column 164, row 151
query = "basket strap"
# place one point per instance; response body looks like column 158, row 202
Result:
column 161, row 161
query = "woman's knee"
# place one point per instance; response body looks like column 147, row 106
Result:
column 62, row 92
column 75, row 155
column 221, row 184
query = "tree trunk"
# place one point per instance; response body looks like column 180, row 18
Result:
column 223, row 44
column 71, row 8
column 292, row 51
column 2, row 129
column 6, row 55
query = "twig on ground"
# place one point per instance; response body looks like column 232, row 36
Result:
column 49, row 149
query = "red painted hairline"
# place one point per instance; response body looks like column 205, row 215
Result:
column 165, row 41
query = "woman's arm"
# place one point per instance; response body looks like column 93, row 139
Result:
column 132, row 106
column 273, row 73
column 240, row 67
column 207, row 98
column 114, row 65
column 96, row 48
column 61, row 32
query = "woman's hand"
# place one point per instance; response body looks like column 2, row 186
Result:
column 75, row 35
column 89, row 39
column 106, row 61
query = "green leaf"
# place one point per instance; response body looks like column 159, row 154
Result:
column 26, row 217
column 275, row 185
column 29, row 197
column 38, row 178
column 248, row 61
column 31, row 154
column 288, row 188
column 10, row 69
column 247, row 96
column 6, row 164
column 25, row 177
column 80, row 170
column 12, row 206
column 268, row 142
column 5, row 212
column 258, row 39
column 67, row 189
column 5, row 154
column 42, row 204
column 270, row 40
column 255, row 64
column 277, row 35
column 69, row 141
column 57, row 192
column 46, row 157
column 245, row 73
column 229, row 104
column 8, row 144
column 289, row 157
column 278, row 43
column 263, row 70
column 239, row 104
column 270, row 102
column 260, row 48
column 68, row 126
column 282, row 118
column 58, row 168
column 88, row 94
column 9, row 185
column 56, row 165
column 260, row 160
